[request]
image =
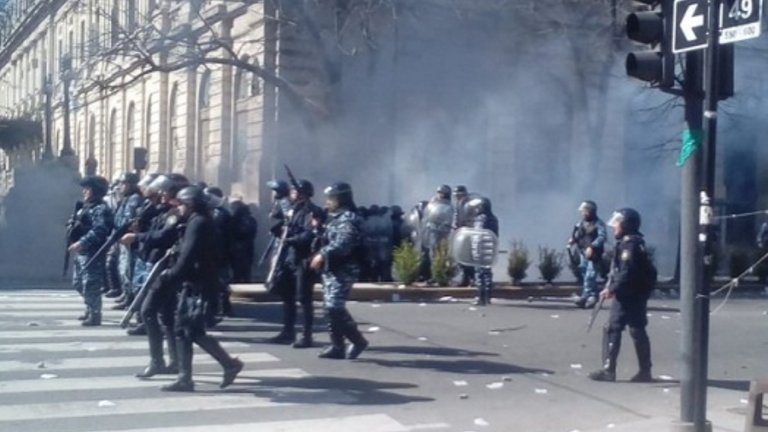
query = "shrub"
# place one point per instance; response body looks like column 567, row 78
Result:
column 407, row 261
column 518, row 262
column 443, row 267
column 550, row 263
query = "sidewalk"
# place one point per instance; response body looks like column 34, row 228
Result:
column 390, row 292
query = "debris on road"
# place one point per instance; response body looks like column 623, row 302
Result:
column 495, row 386
column 481, row 422
column 106, row 404
column 48, row 376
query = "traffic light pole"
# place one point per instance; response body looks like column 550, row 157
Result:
column 706, row 235
column 690, row 253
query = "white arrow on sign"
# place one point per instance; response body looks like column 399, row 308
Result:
column 690, row 22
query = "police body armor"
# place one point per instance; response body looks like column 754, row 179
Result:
column 585, row 234
column 436, row 222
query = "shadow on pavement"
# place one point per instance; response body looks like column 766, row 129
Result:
column 736, row 385
column 433, row 351
column 474, row 367
column 327, row 390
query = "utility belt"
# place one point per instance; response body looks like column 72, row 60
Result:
column 190, row 310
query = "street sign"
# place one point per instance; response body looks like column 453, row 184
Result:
column 740, row 20
column 690, row 25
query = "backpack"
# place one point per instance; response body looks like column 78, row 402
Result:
column 647, row 273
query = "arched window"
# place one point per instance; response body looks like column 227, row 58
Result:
column 91, row 152
column 130, row 137
column 204, row 122
column 205, row 90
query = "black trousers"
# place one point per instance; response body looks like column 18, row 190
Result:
column 297, row 284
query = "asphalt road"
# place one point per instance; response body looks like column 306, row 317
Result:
column 449, row 366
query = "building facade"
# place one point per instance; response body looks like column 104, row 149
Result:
column 74, row 66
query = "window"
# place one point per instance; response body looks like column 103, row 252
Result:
column 82, row 40
column 114, row 24
column 131, row 18
column 205, row 90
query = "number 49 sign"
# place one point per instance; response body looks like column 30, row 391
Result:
column 740, row 20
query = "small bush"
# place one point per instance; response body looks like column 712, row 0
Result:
column 443, row 267
column 519, row 262
column 550, row 263
column 407, row 261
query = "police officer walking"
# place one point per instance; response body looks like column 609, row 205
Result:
column 589, row 235
column 296, row 279
column 630, row 284
column 90, row 231
column 462, row 219
column 196, row 269
column 159, row 304
column 338, row 261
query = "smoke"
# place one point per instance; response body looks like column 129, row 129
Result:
column 523, row 119
column 32, row 235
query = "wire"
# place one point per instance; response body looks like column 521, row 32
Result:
column 735, row 283
column 741, row 215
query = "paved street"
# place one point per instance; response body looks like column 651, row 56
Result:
column 515, row 366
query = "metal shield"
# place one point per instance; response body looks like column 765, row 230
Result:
column 474, row 247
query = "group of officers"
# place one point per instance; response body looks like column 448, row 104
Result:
column 175, row 230
column 170, row 218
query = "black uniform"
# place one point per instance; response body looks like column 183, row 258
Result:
column 629, row 308
column 159, row 304
column 196, row 270
column 242, row 247
column 295, row 279
column 219, row 299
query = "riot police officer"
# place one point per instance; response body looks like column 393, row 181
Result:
column 296, row 280
column 90, row 230
column 630, row 291
column 479, row 209
column 281, row 203
column 338, row 261
column 160, row 302
column 462, row 219
column 130, row 203
column 220, row 303
column 196, row 269
column 589, row 235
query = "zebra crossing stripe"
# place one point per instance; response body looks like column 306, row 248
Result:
column 91, row 346
column 129, row 382
column 114, row 362
column 367, row 423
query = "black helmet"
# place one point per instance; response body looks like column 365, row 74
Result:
column 396, row 211
column 305, row 188
column 374, row 210
column 444, row 190
column 98, row 184
column 458, row 190
column 342, row 192
column 131, row 178
column 628, row 218
column 362, row 211
column 192, row 196
column 588, row 205
column 201, row 184
column 215, row 191
column 278, row 186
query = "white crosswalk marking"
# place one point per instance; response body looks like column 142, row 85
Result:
column 114, row 362
column 57, row 376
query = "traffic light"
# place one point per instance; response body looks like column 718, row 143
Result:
column 651, row 24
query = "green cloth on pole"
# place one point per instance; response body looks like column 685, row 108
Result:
column 692, row 140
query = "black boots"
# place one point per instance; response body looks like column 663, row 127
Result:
column 127, row 300
column 92, row 320
column 84, row 316
column 336, row 350
column 643, row 350
column 341, row 325
column 611, row 348
column 232, row 366
column 309, row 319
column 184, row 381
column 157, row 362
column 173, row 356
